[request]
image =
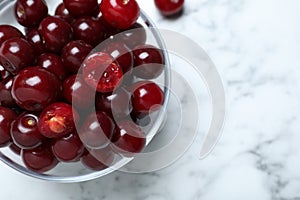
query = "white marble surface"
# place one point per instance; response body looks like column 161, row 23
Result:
column 255, row 45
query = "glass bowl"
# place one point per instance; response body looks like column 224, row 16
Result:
column 76, row 172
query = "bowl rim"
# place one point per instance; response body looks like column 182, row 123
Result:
column 97, row 174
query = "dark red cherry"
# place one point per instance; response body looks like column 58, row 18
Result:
column 122, row 54
column 33, row 36
column 169, row 7
column 120, row 13
column 62, row 12
column 77, row 92
column 53, row 63
column 133, row 36
column 34, row 88
column 101, row 72
column 98, row 159
column 148, row 61
column 55, row 32
column 14, row 148
column 7, row 116
column 68, row 148
column 24, row 131
column 5, row 92
column 8, row 31
column 82, row 7
column 146, row 97
column 97, row 130
column 74, row 53
column 57, row 119
column 89, row 29
column 118, row 104
column 129, row 138
column 15, row 54
column 30, row 13
column 39, row 159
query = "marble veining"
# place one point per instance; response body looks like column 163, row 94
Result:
column 255, row 46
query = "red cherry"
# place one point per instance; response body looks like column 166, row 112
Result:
column 63, row 12
column 57, row 120
column 89, row 29
column 120, row 13
column 97, row 130
column 68, row 148
column 82, row 7
column 24, row 131
column 74, row 53
column 55, row 32
column 129, row 138
column 6, row 118
column 77, row 92
column 169, row 7
column 118, row 104
column 15, row 54
column 8, row 31
column 98, row 159
column 146, row 97
column 53, row 63
column 34, row 88
column 30, row 13
column 5, row 92
column 148, row 61
column 39, row 159
column 101, row 72
column 34, row 37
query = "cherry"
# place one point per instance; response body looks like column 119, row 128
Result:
column 8, row 31
column 117, row 104
column 68, row 148
column 14, row 148
column 34, row 37
column 34, row 88
column 55, row 32
column 148, row 61
column 146, row 97
column 15, row 54
column 97, row 130
column 74, row 53
column 89, row 29
column 82, row 7
column 5, row 92
column 6, row 118
column 62, row 12
column 77, row 92
column 39, row 159
column 53, row 63
column 120, row 13
column 169, row 7
column 133, row 36
column 24, row 131
column 101, row 72
column 129, row 138
column 98, row 159
column 57, row 119
column 122, row 54
column 30, row 13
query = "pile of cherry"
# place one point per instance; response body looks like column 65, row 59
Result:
column 62, row 99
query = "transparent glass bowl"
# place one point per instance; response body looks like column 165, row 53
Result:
column 76, row 172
